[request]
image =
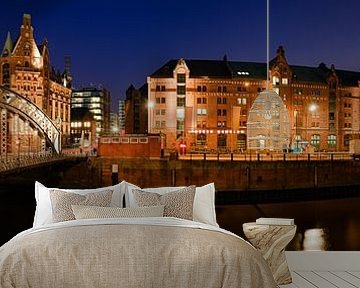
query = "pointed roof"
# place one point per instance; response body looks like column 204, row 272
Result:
column 8, row 47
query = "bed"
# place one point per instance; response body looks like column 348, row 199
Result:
column 133, row 246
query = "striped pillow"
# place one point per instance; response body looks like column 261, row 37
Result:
column 93, row 212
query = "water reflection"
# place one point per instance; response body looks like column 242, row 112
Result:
column 321, row 225
column 316, row 239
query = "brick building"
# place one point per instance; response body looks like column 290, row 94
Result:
column 26, row 69
column 205, row 104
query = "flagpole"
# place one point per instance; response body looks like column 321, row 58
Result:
column 267, row 45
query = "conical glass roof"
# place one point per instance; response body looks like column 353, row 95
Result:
column 268, row 124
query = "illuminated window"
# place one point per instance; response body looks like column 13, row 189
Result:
column 332, row 140
column 201, row 111
column 315, row 140
column 180, row 113
column 276, row 80
column 284, row 81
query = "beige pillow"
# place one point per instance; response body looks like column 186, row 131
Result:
column 61, row 202
column 91, row 212
column 176, row 204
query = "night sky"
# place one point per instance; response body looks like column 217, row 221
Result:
column 118, row 43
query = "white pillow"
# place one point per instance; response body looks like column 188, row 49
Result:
column 204, row 202
column 43, row 212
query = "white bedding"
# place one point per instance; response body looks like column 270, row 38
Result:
column 131, row 252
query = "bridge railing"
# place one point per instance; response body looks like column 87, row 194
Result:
column 14, row 161
column 250, row 157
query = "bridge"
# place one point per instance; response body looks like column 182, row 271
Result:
column 24, row 127
column 11, row 164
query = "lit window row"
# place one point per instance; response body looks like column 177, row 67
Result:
column 80, row 124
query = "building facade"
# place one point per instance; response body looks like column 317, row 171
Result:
column 205, row 104
column 83, row 129
column 114, row 123
column 136, row 110
column 25, row 68
column 97, row 101
column 121, row 116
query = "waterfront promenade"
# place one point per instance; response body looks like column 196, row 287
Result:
column 248, row 157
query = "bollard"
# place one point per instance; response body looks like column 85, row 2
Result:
column 114, row 174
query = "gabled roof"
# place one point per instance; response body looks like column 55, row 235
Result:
column 198, row 68
column 348, row 78
column 248, row 70
column 308, row 74
column 254, row 70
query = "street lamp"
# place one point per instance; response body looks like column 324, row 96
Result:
column 150, row 106
column 312, row 109
column 296, row 112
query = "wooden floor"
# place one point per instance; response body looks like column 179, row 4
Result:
column 324, row 269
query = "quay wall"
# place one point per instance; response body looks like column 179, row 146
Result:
column 230, row 175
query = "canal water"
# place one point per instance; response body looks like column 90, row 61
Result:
column 321, row 224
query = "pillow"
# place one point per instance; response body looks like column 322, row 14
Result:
column 90, row 212
column 61, row 202
column 43, row 212
column 204, row 202
column 177, row 204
